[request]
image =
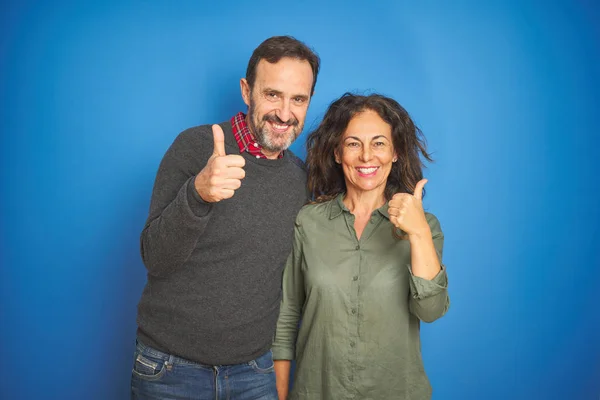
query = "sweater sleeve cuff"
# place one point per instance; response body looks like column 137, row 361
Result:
column 199, row 207
column 422, row 288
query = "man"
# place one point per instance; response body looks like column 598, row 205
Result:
column 218, row 233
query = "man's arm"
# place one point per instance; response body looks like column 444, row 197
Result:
column 178, row 212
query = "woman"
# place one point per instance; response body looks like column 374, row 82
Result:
column 366, row 262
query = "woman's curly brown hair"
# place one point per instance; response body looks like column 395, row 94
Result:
column 326, row 177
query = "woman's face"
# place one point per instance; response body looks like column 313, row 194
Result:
column 366, row 153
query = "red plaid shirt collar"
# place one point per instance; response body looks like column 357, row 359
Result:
column 244, row 137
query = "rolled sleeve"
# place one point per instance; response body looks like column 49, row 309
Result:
column 421, row 288
column 282, row 353
column 429, row 298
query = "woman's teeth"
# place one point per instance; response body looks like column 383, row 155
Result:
column 367, row 171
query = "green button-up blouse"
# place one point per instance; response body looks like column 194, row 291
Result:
column 359, row 307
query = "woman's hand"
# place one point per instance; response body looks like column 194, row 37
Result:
column 406, row 211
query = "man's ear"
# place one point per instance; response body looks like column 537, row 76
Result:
column 245, row 88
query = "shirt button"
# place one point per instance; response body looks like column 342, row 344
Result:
column 255, row 144
column 355, row 278
column 357, row 247
column 257, row 156
column 354, row 311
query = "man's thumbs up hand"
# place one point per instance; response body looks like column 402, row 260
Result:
column 223, row 173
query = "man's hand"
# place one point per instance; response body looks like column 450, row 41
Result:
column 222, row 174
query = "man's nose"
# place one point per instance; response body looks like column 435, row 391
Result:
column 284, row 112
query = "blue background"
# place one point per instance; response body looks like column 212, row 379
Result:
column 507, row 94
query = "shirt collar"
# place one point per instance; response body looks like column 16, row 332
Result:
column 244, row 137
column 337, row 207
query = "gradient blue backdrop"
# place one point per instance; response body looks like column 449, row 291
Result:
column 93, row 93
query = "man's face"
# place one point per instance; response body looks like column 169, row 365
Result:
column 278, row 102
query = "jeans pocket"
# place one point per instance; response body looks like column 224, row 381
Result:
column 148, row 368
column 263, row 364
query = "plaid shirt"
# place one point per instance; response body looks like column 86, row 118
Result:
column 244, row 137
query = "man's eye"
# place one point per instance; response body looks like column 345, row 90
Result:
column 379, row 144
column 272, row 95
column 299, row 100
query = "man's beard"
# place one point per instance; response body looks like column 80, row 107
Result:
column 261, row 131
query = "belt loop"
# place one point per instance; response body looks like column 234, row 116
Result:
column 169, row 362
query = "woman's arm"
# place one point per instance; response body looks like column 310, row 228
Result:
column 282, row 374
column 292, row 301
column 428, row 281
column 428, row 294
column 423, row 256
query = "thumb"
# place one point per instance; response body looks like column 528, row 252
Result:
column 419, row 189
column 219, row 140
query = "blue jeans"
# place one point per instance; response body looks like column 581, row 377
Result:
column 157, row 375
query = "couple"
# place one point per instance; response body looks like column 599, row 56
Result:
column 230, row 206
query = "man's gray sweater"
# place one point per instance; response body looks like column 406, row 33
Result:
column 214, row 269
